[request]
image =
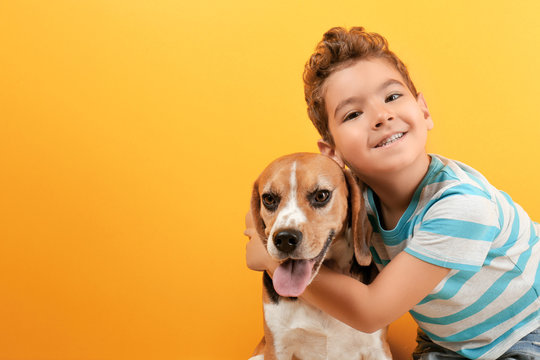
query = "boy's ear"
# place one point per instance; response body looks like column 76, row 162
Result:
column 328, row 150
column 423, row 105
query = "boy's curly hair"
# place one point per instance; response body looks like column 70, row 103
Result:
column 338, row 49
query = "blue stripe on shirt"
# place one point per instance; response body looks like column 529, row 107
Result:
column 466, row 189
column 451, row 287
column 480, row 181
column 460, row 229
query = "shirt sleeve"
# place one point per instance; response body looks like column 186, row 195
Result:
column 457, row 230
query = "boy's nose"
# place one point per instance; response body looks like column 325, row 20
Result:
column 382, row 117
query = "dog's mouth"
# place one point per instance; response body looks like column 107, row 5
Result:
column 293, row 276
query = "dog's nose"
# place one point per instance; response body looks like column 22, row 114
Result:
column 287, row 240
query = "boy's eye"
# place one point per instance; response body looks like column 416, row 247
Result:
column 392, row 97
column 352, row 115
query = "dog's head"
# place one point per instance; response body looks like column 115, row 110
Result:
column 300, row 203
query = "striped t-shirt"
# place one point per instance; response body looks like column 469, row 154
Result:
column 457, row 220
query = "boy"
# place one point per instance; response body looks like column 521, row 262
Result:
column 454, row 251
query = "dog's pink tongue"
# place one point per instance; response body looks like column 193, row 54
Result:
column 292, row 277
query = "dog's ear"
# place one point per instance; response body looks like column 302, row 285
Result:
column 255, row 209
column 361, row 228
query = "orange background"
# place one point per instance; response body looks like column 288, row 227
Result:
column 131, row 132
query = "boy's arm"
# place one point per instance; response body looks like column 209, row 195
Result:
column 403, row 283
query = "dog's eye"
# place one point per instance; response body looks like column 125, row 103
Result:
column 320, row 198
column 270, row 201
column 321, row 195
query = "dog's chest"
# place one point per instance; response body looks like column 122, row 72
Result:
column 302, row 330
column 307, row 333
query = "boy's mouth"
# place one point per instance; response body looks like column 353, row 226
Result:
column 390, row 140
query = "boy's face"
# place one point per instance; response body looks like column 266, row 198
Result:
column 377, row 124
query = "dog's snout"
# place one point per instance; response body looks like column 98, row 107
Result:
column 287, row 240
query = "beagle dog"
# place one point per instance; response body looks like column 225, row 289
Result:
column 308, row 211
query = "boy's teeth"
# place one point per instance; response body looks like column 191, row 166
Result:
column 390, row 140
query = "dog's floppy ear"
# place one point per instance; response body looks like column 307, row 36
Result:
column 361, row 228
column 255, row 209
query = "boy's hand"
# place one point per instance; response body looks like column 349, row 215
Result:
column 257, row 258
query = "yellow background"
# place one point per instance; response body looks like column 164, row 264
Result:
column 131, row 132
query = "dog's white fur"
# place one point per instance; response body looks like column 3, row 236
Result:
column 291, row 215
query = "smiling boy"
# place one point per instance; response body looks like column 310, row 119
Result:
column 457, row 253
